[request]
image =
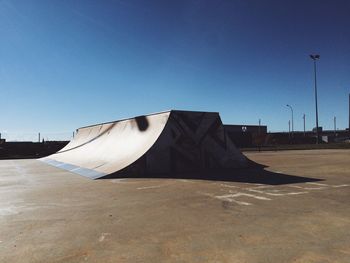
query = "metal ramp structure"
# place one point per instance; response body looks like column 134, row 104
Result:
column 169, row 142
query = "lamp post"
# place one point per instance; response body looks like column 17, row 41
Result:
column 289, row 129
column 314, row 58
column 349, row 116
column 292, row 119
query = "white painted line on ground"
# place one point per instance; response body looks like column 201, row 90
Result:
column 341, row 185
column 261, row 187
column 238, row 202
column 229, row 186
column 103, row 236
column 243, row 194
column 231, row 200
column 12, row 210
column 151, row 187
column 275, row 194
column 327, row 185
column 117, row 181
column 307, row 188
column 318, row 184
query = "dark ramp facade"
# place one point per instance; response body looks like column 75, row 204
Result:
column 171, row 142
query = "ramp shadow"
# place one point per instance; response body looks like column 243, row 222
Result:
column 256, row 174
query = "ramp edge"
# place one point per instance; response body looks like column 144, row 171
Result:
column 89, row 173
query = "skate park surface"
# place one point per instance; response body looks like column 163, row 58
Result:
column 296, row 209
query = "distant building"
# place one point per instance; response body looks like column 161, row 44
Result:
column 320, row 129
column 246, row 135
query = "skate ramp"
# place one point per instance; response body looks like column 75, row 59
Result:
column 162, row 143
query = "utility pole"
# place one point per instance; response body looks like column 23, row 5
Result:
column 304, row 123
column 39, row 137
column 259, row 125
column 349, row 116
column 335, row 124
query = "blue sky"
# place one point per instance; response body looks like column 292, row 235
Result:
column 66, row 64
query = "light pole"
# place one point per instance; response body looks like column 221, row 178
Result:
column 292, row 119
column 304, row 123
column 314, row 58
column 289, row 130
column 349, row 116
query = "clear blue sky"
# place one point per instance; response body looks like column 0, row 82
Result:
column 65, row 64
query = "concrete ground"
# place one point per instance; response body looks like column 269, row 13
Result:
column 50, row 215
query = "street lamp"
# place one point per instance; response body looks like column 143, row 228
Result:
column 349, row 116
column 292, row 119
column 314, row 58
column 289, row 129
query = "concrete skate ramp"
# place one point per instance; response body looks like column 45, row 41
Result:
column 162, row 143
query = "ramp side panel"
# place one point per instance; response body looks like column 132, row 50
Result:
column 190, row 141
